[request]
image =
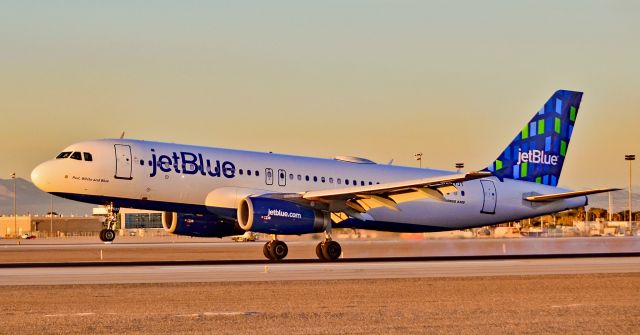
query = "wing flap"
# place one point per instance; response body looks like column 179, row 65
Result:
column 566, row 195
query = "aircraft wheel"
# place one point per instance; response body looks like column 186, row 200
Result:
column 319, row 252
column 331, row 250
column 265, row 250
column 107, row 235
column 278, row 250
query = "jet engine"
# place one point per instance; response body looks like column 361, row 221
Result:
column 275, row 216
column 203, row 225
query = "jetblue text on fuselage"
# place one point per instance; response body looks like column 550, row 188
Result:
column 537, row 157
column 190, row 163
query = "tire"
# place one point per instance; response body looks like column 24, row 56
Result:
column 319, row 252
column 102, row 238
column 331, row 250
column 265, row 250
column 109, row 235
column 278, row 250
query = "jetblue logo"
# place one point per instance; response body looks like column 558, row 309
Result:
column 284, row 214
column 537, row 157
column 190, row 163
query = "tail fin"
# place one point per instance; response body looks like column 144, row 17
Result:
column 539, row 150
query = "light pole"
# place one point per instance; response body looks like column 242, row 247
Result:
column 51, row 218
column 15, row 217
column 419, row 158
column 630, row 158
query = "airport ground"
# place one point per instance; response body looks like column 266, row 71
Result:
column 574, row 296
column 89, row 249
column 556, row 304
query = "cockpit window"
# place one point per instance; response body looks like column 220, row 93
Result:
column 64, row 155
column 76, row 155
column 87, row 156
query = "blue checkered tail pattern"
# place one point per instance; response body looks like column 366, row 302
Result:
column 538, row 152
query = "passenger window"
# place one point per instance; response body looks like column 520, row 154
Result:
column 330, row 180
column 290, row 176
column 362, row 183
column 339, row 181
column 76, row 155
column 299, row 177
column 346, row 181
column 370, row 183
column 248, row 172
column 322, row 179
column 64, row 155
column 240, row 172
column 306, row 177
column 87, row 157
column 315, row 179
column 257, row 173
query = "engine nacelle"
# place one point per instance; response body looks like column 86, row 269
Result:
column 199, row 225
column 275, row 216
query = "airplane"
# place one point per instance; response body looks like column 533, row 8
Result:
column 215, row 192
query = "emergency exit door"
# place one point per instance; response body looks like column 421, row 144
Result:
column 268, row 176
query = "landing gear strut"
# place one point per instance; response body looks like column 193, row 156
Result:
column 108, row 234
column 328, row 249
column 275, row 249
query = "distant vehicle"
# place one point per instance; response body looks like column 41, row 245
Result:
column 27, row 236
column 246, row 237
column 215, row 192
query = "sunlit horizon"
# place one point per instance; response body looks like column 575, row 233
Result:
column 376, row 79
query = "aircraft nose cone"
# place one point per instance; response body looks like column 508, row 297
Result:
column 39, row 176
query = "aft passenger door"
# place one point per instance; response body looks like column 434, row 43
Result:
column 123, row 161
column 490, row 197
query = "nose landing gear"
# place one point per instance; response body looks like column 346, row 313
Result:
column 108, row 234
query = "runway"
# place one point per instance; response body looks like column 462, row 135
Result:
column 315, row 271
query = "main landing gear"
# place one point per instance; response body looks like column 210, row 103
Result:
column 275, row 249
column 328, row 249
column 108, row 234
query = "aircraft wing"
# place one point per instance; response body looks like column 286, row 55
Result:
column 359, row 199
column 566, row 195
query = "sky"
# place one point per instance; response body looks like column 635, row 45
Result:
column 455, row 80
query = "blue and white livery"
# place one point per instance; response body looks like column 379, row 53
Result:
column 220, row 192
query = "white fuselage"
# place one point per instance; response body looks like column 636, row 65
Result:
column 173, row 177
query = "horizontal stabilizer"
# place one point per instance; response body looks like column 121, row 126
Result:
column 566, row 195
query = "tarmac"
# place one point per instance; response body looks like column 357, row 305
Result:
column 497, row 286
column 72, row 275
column 198, row 249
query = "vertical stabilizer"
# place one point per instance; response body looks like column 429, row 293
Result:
column 538, row 152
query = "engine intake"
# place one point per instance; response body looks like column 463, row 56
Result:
column 275, row 216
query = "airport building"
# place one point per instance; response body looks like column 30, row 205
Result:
column 49, row 226
column 133, row 218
